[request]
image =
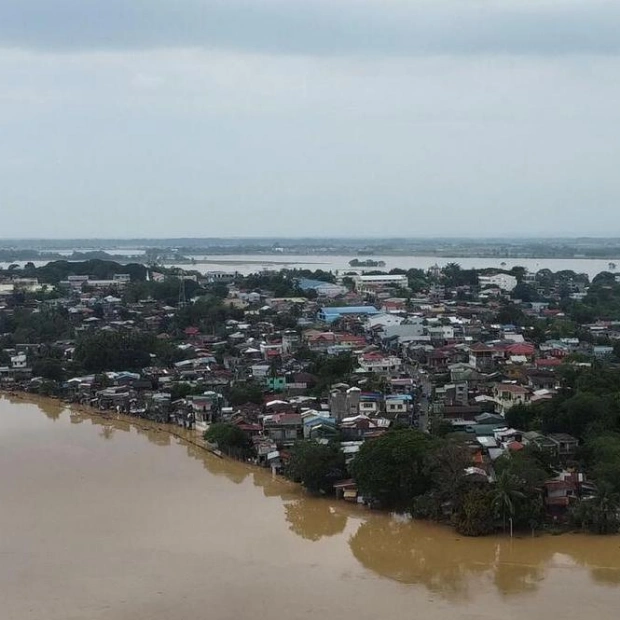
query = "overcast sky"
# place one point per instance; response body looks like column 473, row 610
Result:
column 138, row 118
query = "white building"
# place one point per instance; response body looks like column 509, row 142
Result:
column 373, row 362
column 383, row 320
column 365, row 282
column 503, row 281
column 18, row 362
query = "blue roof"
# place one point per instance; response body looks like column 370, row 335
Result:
column 399, row 397
column 350, row 310
column 307, row 284
column 317, row 421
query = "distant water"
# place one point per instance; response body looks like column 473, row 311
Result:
column 249, row 263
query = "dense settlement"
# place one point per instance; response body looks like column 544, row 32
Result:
column 487, row 399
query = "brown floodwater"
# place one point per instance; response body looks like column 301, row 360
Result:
column 105, row 519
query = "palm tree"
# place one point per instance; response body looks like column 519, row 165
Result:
column 506, row 492
column 604, row 510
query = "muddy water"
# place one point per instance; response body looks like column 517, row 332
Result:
column 103, row 519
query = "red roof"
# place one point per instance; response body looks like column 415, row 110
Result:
column 480, row 347
column 521, row 349
column 548, row 362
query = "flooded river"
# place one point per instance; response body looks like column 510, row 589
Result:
column 109, row 519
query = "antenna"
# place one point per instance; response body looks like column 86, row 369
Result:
column 182, row 299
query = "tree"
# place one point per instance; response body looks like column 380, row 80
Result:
column 316, row 466
column 103, row 351
column 229, row 438
column 517, row 493
column 242, row 393
column 598, row 514
column 48, row 368
column 391, row 469
column 520, row 416
column 506, row 492
column 475, row 514
column 446, row 464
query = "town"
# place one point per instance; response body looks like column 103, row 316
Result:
column 487, row 399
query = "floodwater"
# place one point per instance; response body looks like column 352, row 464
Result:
column 106, row 519
column 251, row 263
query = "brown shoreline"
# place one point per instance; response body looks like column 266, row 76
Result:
column 193, row 438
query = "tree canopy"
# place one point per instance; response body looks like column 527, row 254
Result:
column 391, row 468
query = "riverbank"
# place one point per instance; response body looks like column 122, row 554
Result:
column 110, row 520
column 191, row 437
column 194, row 438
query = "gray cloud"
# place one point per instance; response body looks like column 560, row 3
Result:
column 318, row 27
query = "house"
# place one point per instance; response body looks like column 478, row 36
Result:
column 206, row 408
column 318, row 340
column 566, row 445
column 19, row 362
column 346, row 489
column 344, row 401
column 373, row 282
column 283, row 428
column 370, row 403
column 322, row 289
column 481, row 356
column 379, row 363
column 503, row 281
column 382, row 320
column 398, row 405
column 508, row 395
column 329, row 314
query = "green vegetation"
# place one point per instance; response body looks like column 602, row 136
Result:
column 242, row 393
column 316, row 466
column 599, row 514
column 391, row 469
column 331, row 369
column 54, row 272
column 229, row 439
column 101, row 351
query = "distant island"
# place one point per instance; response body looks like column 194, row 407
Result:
column 366, row 263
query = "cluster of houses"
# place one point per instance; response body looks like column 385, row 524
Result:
column 419, row 360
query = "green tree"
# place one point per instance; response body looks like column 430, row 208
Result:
column 506, row 492
column 49, row 368
column 229, row 438
column 475, row 514
column 598, row 514
column 316, row 466
column 517, row 493
column 242, row 393
column 105, row 351
column 521, row 416
column 391, row 469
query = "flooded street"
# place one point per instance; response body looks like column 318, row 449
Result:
column 108, row 519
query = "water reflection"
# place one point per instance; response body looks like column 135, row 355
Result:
column 107, row 431
column 420, row 553
column 153, row 434
column 397, row 549
column 314, row 519
column 436, row 558
column 51, row 408
column 235, row 472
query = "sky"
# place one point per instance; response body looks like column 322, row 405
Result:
column 207, row 118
